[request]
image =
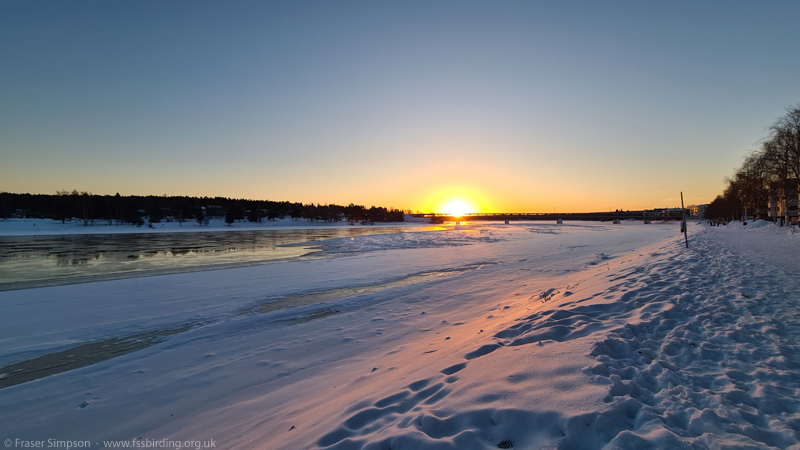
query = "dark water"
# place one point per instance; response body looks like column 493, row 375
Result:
column 34, row 261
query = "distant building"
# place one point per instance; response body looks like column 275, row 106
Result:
column 416, row 218
column 697, row 211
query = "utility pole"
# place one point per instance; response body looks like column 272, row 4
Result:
column 685, row 228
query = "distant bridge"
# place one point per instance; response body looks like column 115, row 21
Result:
column 650, row 214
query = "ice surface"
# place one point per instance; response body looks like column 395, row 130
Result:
column 544, row 336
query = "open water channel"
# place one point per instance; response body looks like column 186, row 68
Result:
column 36, row 261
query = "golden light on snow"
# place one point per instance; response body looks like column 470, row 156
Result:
column 457, row 208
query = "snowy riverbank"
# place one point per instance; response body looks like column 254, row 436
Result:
column 540, row 336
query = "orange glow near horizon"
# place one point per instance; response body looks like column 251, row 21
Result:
column 456, row 200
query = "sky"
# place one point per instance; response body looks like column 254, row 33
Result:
column 532, row 106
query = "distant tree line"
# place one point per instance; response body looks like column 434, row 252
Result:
column 769, row 174
column 138, row 210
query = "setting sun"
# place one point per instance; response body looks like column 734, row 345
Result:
column 455, row 199
column 457, row 208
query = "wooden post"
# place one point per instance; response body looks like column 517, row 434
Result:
column 685, row 228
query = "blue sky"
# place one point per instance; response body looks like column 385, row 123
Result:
column 524, row 106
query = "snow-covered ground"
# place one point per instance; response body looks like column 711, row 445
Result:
column 528, row 335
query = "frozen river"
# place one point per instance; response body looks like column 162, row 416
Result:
column 37, row 261
column 529, row 335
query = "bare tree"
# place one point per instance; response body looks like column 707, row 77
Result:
column 751, row 183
